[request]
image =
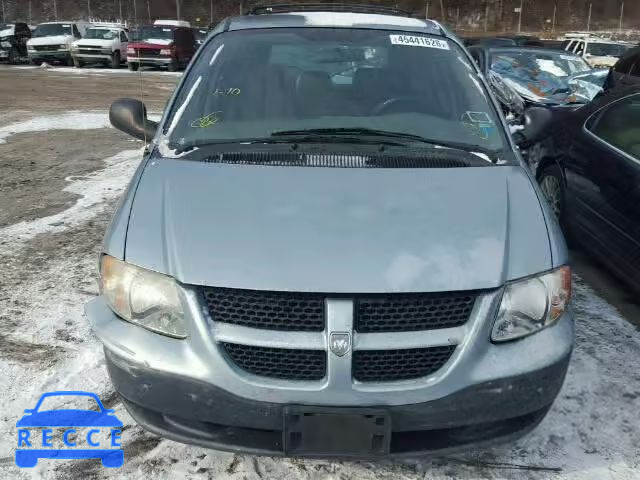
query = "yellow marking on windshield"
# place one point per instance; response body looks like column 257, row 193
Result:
column 206, row 121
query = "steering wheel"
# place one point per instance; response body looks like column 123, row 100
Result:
column 401, row 104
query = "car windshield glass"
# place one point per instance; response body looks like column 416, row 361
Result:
column 605, row 49
column 151, row 33
column 252, row 84
column 547, row 77
column 50, row 29
column 66, row 402
column 535, row 64
column 101, row 33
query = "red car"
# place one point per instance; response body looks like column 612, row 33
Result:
column 167, row 45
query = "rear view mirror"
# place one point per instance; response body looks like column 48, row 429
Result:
column 130, row 116
column 536, row 122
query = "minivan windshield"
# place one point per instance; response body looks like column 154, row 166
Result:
column 51, row 29
column 257, row 84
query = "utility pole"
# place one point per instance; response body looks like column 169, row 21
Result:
column 211, row 7
column 149, row 10
column 589, row 18
column 621, row 15
column 177, row 9
column 135, row 13
column 120, row 9
column 553, row 21
column 88, row 8
column 486, row 15
column 426, row 10
column 29, row 12
column 55, row 9
column 3, row 12
column 457, row 16
column 444, row 16
column 520, row 16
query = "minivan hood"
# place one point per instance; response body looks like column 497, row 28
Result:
column 337, row 229
column 52, row 40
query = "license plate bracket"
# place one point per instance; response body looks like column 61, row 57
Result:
column 336, row 432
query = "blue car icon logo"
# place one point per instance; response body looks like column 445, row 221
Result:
column 28, row 453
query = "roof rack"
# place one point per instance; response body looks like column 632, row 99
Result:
column 328, row 7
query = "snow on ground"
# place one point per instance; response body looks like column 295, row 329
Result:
column 592, row 432
column 72, row 120
column 96, row 70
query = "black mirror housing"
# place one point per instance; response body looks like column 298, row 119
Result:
column 130, row 116
column 536, row 123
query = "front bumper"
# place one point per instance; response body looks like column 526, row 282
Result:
column 92, row 56
column 150, row 60
column 190, row 391
column 193, row 412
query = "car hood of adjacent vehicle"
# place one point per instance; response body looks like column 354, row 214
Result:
column 337, row 229
column 51, row 40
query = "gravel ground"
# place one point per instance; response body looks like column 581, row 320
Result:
column 58, row 188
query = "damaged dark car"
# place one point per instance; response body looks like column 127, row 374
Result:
column 13, row 41
column 525, row 77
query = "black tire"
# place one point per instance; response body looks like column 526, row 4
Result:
column 173, row 65
column 14, row 56
column 553, row 188
column 68, row 61
column 115, row 60
column 77, row 62
column 133, row 66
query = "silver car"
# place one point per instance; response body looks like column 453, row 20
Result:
column 332, row 248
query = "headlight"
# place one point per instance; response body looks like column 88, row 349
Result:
column 63, row 47
column 74, row 47
column 142, row 297
column 165, row 51
column 532, row 304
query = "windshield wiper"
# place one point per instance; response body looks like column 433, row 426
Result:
column 370, row 132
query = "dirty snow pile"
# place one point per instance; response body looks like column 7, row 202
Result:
column 592, row 432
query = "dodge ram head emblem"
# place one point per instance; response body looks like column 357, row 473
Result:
column 340, row 343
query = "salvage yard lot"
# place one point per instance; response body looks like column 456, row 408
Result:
column 62, row 170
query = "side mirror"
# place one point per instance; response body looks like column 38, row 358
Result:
column 130, row 116
column 536, row 122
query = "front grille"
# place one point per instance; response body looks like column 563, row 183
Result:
column 148, row 52
column 412, row 312
column 394, row 365
column 46, row 48
column 266, row 310
column 282, row 363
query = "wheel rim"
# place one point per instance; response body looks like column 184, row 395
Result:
column 553, row 193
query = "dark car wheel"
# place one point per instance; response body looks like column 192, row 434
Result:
column 78, row 63
column 14, row 56
column 173, row 65
column 133, row 66
column 115, row 60
column 552, row 185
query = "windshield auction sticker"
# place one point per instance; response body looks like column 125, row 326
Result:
column 416, row 41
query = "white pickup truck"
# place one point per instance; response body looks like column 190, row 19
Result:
column 103, row 43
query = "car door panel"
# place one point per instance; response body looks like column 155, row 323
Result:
column 603, row 184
